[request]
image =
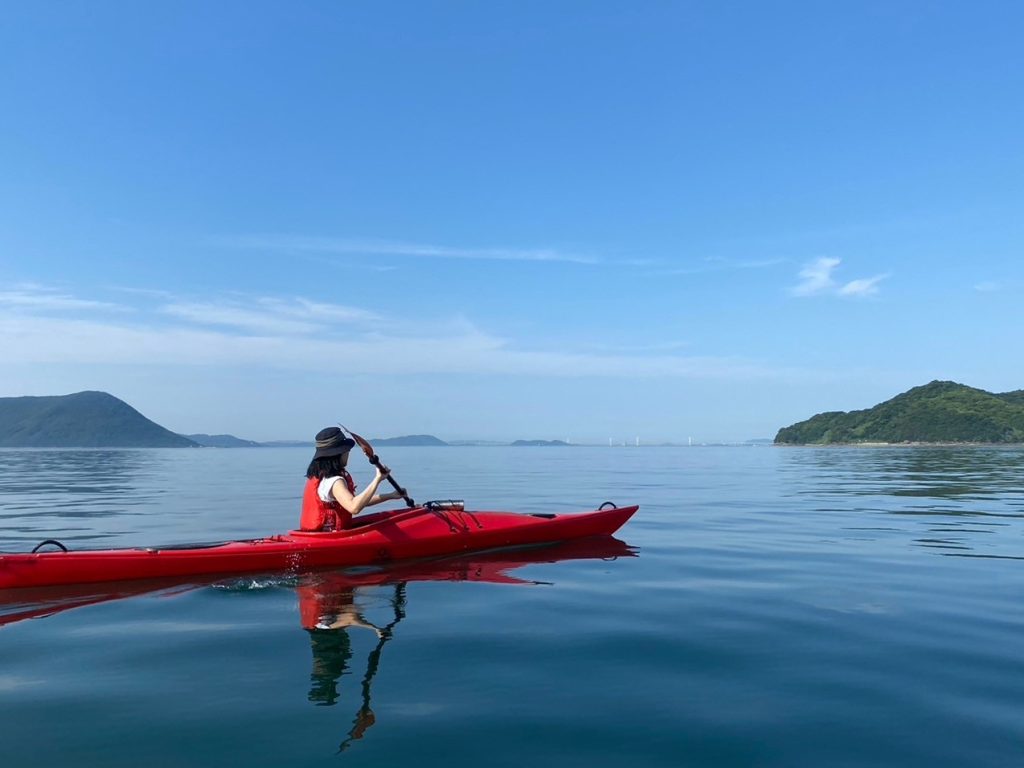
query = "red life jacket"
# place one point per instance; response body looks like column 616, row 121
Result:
column 320, row 515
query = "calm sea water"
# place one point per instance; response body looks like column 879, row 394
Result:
column 785, row 607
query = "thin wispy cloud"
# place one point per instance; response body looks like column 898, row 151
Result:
column 817, row 278
column 471, row 353
column 320, row 311
column 360, row 247
column 246, row 314
column 36, row 297
column 863, row 287
column 988, row 286
column 276, row 334
column 267, row 315
column 639, row 349
column 240, row 318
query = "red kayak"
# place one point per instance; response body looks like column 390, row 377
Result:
column 433, row 530
column 493, row 566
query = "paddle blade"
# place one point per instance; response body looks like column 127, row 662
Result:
column 361, row 442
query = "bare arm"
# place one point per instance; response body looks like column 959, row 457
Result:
column 393, row 496
column 357, row 503
column 351, row 618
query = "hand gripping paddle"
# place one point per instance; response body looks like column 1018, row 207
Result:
column 368, row 450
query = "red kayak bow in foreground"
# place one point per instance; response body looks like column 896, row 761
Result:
column 434, row 530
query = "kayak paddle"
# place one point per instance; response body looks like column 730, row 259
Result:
column 365, row 717
column 375, row 460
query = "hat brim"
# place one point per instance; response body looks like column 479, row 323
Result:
column 335, row 450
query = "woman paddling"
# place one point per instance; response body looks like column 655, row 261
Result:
column 330, row 500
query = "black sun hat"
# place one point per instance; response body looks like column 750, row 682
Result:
column 332, row 442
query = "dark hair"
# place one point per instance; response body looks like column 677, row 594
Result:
column 325, row 466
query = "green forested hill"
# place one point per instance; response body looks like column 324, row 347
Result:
column 939, row 412
column 81, row 420
column 1016, row 397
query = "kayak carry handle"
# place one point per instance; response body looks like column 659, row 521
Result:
column 611, row 504
column 54, row 542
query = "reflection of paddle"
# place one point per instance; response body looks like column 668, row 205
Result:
column 368, row 450
column 365, row 717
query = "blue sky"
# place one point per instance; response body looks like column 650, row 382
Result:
column 509, row 220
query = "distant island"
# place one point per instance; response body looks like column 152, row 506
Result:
column 939, row 412
column 223, row 441
column 101, row 420
column 418, row 440
column 81, row 420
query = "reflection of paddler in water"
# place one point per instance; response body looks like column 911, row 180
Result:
column 327, row 609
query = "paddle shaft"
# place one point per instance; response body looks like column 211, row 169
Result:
column 375, row 461
column 364, row 717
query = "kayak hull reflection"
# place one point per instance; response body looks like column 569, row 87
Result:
column 379, row 538
column 495, row 566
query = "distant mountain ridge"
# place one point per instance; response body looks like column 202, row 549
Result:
column 418, row 440
column 230, row 441
column 939, row 412
column 223, row 441
column 81, row 420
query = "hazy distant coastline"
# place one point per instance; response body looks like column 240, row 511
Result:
column 100, row 420
column 936, row 414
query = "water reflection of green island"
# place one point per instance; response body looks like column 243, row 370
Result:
column 936, row 413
